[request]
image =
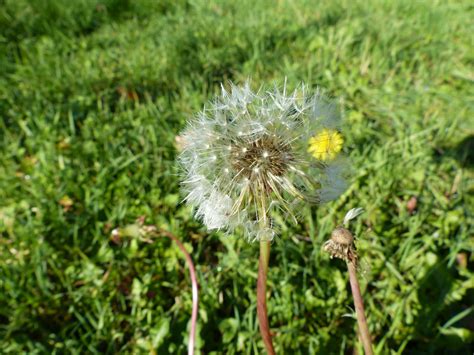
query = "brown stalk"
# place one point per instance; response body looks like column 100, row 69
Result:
column 194, row 286
column 262, row 297
column 359, row 306
column 153, row 231
column 341, row 245
column 145, row 232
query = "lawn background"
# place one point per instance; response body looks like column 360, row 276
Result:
column 92, row 96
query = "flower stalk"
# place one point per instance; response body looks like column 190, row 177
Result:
column 249, row 157
column 341, row 245
column 262, row 297
column 359, row 306
column 145, row 233
column 194, row 287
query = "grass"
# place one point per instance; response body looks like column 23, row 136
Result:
column 92, row 95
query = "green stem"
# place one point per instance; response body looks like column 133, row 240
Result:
column 262, row 297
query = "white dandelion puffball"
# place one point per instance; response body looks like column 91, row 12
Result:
column 252, row 155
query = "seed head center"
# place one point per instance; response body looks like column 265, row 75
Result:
column 262, row 157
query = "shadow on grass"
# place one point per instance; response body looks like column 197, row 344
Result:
column 437, row 296
column 463, row 152
column 36, row 18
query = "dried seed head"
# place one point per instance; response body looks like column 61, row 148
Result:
column 342, row 236
column 341, row 245
column 250, row 156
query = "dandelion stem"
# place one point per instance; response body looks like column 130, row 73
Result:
column 194, row 286
column 261, row 296
column 359, row 306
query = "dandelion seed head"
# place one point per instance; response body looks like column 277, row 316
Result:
column 251, row 155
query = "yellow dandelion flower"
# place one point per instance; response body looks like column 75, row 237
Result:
column 326, row 144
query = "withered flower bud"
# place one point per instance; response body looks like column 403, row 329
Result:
column 341, row 245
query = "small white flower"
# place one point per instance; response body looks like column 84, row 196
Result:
column 251, row 155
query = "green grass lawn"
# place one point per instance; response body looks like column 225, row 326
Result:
column 92, row 96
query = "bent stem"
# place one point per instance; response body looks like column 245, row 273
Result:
column 261, row 296
column 359, row 306
column 194, row 286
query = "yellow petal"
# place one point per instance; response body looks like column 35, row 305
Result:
column 326, row 144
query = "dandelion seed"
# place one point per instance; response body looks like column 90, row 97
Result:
column 252, row 155
column 351, row 214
